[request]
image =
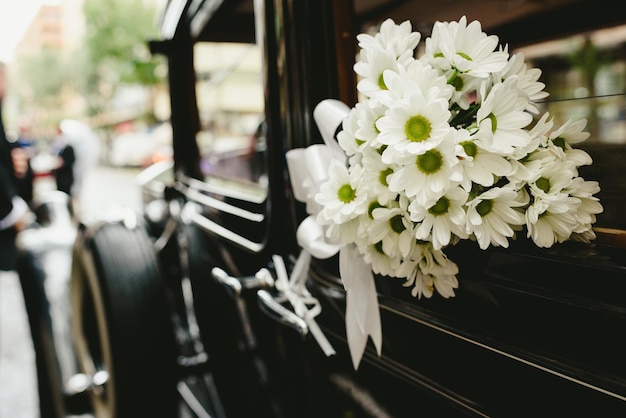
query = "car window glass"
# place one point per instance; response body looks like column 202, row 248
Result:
column 585, row 77
column 230, row 102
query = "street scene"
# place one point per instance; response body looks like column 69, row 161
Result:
column 312, row 208
column 107, row 189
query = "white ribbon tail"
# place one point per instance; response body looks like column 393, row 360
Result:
column 362, row 311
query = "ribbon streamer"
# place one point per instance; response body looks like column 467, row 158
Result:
column 294, row 290
column 308, row 170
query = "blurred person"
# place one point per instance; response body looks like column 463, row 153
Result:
column 66, row 159
column 16, row 218
column 78, row 149
column 14, row 210
column 26, row 142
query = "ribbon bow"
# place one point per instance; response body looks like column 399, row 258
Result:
column 308, row 170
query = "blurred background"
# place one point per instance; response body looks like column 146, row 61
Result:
column 78, row 64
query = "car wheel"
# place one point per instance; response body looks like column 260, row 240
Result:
column 123, row 333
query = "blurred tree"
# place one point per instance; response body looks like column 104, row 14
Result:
column 40, row 81
column 55, row 83
column 115, row 51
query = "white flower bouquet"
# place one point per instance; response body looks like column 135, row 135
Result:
column 450, row 146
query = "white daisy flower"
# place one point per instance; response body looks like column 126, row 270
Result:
column 589, row 204
column 376, row 174
column 546, row 226
column 551, row 179
column 380, row 262
column 571, row 132
column 492, row 216
column 480, row 166
column 414, row 126
column 394, row 229
column 428, row 269
column 369, row 113
column 340, row 197
column 527, row 80
column 372, row 68
column 417, row 77
column 441, row 221
column 464, row 48
column 502, row 119
column 427, row 177
column 346, row 137
column 392, row 37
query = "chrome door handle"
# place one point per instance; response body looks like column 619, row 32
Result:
column 262, row 279
column 277, row 311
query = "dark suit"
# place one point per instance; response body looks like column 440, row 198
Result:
column 8, row 191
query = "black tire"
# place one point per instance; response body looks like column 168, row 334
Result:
column 122, row 324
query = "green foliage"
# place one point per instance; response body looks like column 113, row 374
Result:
column 115, row 49
column 112, row 53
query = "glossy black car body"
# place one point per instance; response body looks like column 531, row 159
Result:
column 530, row 332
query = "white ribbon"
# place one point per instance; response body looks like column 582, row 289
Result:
column 308, row 170
column 294, row 290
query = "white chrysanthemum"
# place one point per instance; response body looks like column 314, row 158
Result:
column 548, row 223
column 346, row 137
column 369, row 113
column 340, row 197
column 427, row 177
column 375, row 176
column 464, row 48
column 527, row 80
column 527, row 164
column 397, row 39
column 413, row 126
column 502, row 119
column 551, row 179
column 443, row 272
column 417, row 76
column 429, row 269
column 589, row 204
column 394, row 229
column 571, row 132
column 372, row 68
column 380, row 262
column 441, row 221
column 480, row 166
column 492, row 216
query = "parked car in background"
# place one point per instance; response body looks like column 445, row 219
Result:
column 140, row 148
column 187, row 312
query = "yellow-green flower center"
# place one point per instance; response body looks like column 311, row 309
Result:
column 417, row 128
column 484, row 207
column 381, row 82
column 429, row 162
column 543, row 184
column 470, row 148
column 346, row 193
column 494, row 122
column 440, row 207
column 383, row 176
column 371, row 207
column 396, row 224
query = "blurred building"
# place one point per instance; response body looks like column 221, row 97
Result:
column 57, row 25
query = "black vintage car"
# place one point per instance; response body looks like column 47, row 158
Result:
column 183, row 314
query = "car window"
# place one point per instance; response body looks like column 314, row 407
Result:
column 230, row 102
column 585, row 75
